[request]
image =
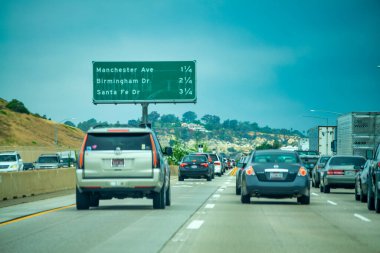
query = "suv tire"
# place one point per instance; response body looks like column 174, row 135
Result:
column 168, row 196
column 159, row 199
column 82, row 200
column 370, row 200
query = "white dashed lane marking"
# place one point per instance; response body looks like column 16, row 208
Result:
column 195, row 224
column 362, row 217
column 332, row 203
column 314, row 194
column 209, row 206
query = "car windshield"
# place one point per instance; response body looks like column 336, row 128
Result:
column 112, row 141
column 275, row 158
column 195, row 158
column 7, row 158
column 48, row 159
column 356, row 161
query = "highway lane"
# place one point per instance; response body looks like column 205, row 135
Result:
column 204, row 217
column 331, row 223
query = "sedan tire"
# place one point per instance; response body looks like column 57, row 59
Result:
column 326, row 189
column 304, row 200
column 370, row 200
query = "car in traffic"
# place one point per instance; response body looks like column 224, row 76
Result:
column 373, row 193
column 239, row 170
column 275, row 174
column 361, row 182
column 340, row 172
column 195, row 166
column 316, row 171
column 209, row 160
column 10, row 161
column 122, row 163
column 218, row 165
column 309, row 158
column 48, row 161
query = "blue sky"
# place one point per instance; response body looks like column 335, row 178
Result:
column 268, row 62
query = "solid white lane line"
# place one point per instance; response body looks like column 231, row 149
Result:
column 221, row 189
column 332, row 203
column 195, row 224
column 209, row 206
column 362, row 217
column 314, row 194
column 216, row 196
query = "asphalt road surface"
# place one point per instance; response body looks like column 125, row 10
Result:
column 204, row 217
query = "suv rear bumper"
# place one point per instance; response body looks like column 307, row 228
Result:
column 154, row 183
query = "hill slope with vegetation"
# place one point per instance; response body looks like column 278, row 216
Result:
column 19, row 127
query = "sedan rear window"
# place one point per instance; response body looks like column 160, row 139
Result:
column 275, row 158
column 195, row 158
column 214, row 157
column 129, row 141
column 356, row 161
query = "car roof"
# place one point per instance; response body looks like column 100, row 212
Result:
column 274, row 151
column 120, row 130
column 8, row 152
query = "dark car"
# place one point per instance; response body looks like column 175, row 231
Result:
column 275, row 174
column 308, row 158
column 361, row 182
column 195, row 166
column 240, row 168
column 340, row 172
column 316, row 172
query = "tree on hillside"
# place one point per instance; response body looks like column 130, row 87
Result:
column 153, row 117
column 69, row 123
column 189, row 117
column 169, row 118
column 86, row 125
column 133, row 123
column 17, row 106
column 211, row 122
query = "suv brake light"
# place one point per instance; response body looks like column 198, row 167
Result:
column 81, row 154
column 154, row 152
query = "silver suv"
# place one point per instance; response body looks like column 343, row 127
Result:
column 48, row 161
column 122, row 163
column 10, row 161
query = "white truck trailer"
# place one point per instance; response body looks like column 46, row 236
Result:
column 358, row 133
column 320, row 139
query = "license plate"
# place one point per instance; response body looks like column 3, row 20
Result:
column 194, row 166
column 275, row 175
column 349, row 173
column 117, row 162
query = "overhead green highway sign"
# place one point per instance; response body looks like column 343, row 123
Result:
column 144, row 82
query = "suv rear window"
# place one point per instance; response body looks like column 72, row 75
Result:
column 124, row 141
column 195, row 158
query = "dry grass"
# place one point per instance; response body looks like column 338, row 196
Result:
column 17, row 129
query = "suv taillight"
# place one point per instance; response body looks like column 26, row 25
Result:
column 217, row 163
column 81, row 154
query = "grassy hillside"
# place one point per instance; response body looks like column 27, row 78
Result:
column 18, row 129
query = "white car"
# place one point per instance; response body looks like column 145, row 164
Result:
column 10, row 161
column 218, row 167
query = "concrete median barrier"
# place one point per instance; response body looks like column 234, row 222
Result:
column 29, row 183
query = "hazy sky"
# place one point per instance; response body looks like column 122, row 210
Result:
column 268, row 62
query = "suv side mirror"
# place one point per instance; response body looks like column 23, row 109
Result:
column 168, row 151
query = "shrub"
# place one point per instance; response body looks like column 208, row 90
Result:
column 17, row 106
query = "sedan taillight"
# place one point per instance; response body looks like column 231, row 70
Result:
column 204, row 164
column 335, row 172
column 302, row 172
column 183, row 164
column 217, row 163
column 250, row 171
